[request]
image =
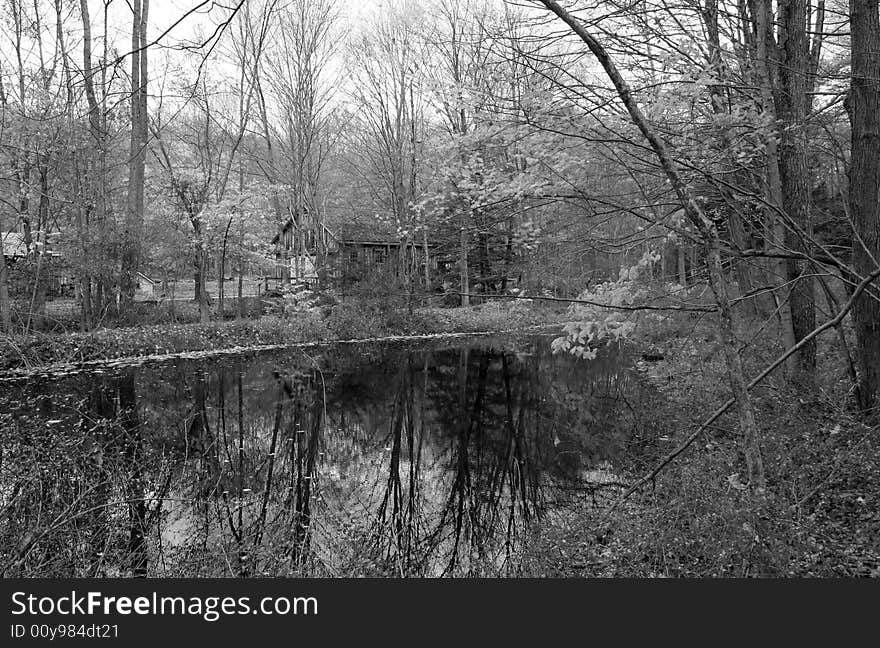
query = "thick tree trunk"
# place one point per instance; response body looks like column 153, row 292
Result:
column 864, row 188
column 239, row 305
column 220, row 263
column 134, row 215
column 98, row 133
column 34, row 317
column 463, row 269
column 795, row 173
column 427, row 259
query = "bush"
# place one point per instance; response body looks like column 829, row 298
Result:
column 251, row 307
column 354, row 321
column 402, row 322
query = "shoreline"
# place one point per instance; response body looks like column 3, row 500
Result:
column 50, row 355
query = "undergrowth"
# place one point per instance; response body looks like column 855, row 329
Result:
column 345, row 321
column 817, row 517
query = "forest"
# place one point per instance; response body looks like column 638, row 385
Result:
column 695, row 183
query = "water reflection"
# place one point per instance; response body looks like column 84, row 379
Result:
column 358, row 461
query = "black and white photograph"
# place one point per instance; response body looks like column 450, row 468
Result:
column 429, row 289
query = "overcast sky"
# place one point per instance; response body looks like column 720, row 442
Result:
column 203, row 16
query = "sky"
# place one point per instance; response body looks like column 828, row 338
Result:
column 201, row 16
column 193, row 21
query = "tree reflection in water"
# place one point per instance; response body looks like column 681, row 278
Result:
column 362, row 461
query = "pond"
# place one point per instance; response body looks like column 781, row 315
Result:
column 349, row 460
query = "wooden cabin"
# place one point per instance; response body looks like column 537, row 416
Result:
column 22, row 262
column 295, row 252
column 364, row 250
column 354, row 252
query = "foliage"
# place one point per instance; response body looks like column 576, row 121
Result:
column 697, row 519
column 602, row 321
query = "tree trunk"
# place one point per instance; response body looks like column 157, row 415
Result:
column 201, row 258
column 463, row 269
column 239, row 306
column 280, row 218
column 134, row 215
column 682, row 266
column 485, row 268
column 204, row 312
column 795, row 173
column 98, row 133
column 863, row 105
column 221, row 284
column 427, row 259
column 740, row 240
column 774, row 228
column 220, row 263
column 5, row 305
column 34, row 317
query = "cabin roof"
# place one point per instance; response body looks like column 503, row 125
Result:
column 357, row 231
column 286, row 227
column 366, row 233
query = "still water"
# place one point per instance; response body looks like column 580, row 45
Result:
column 434, row 459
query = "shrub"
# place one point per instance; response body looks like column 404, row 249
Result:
column 402, row 322
column 355, row 320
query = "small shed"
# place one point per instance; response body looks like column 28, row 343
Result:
column 22, row 262
column 146, row 288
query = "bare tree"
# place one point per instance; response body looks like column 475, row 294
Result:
column 459, row 41
column 792, row 106
column 301, row 83
column 864, row 187
column 389, row 102
column 134, row 216
column 708, row 233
